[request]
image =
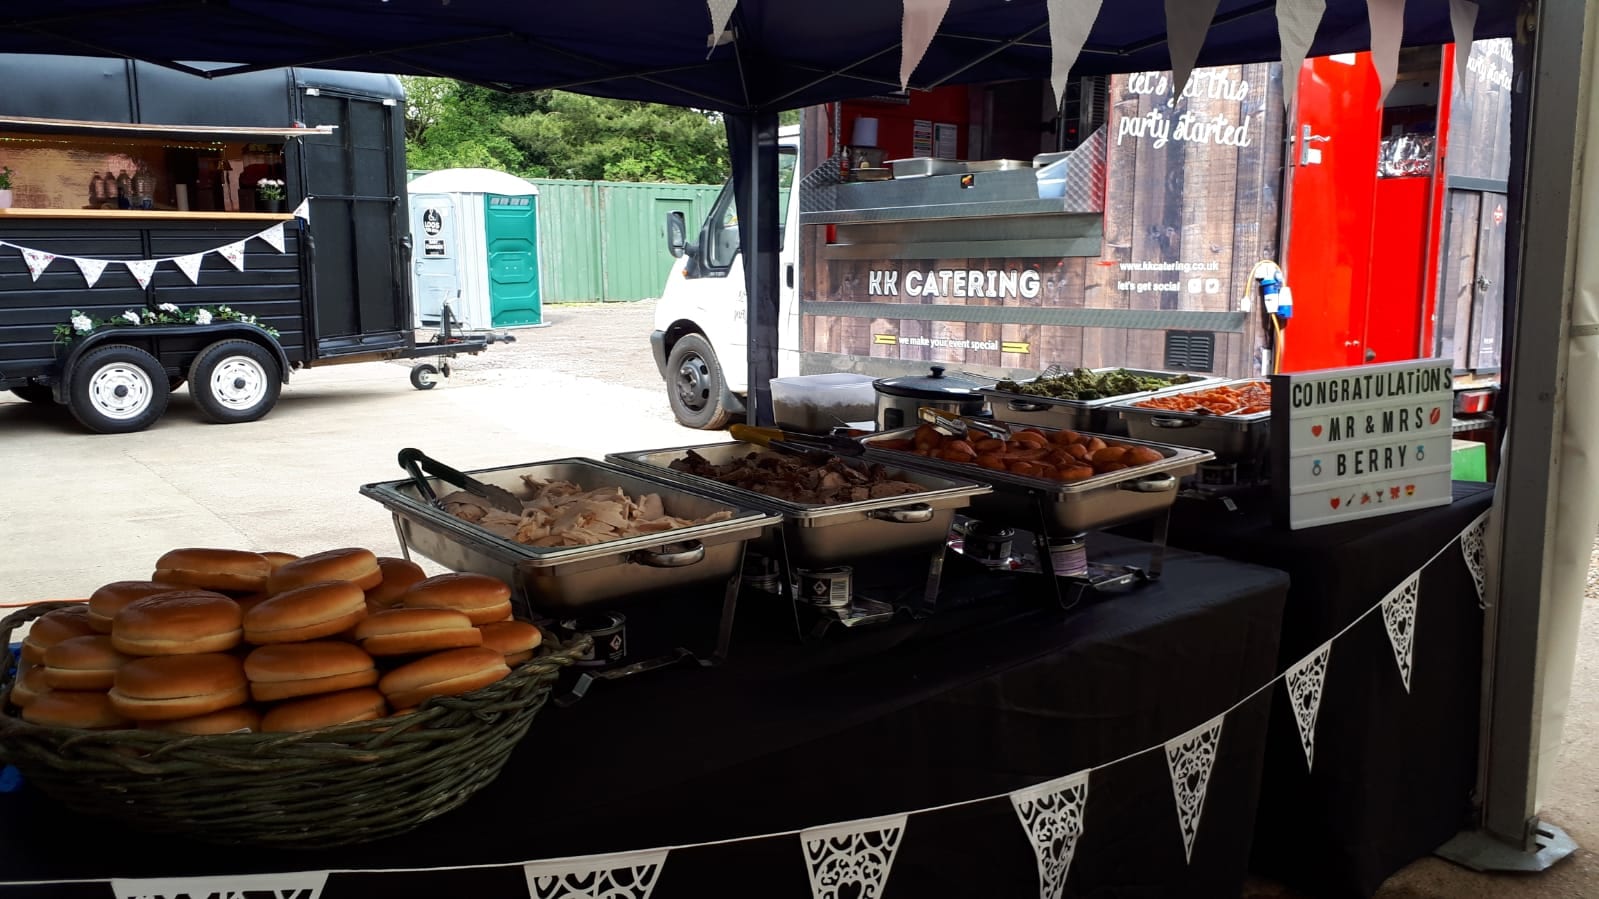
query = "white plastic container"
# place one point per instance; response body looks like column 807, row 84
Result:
column 1052, row 179
column 815, row 404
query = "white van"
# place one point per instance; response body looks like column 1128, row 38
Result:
column 700, row 340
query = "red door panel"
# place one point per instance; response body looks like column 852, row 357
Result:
column 1399, row 259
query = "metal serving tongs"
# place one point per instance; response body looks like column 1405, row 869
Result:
column 960, row 425
column 414, row 461
column 810, row 446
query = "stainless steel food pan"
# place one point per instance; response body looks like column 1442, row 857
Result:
column 1233, row 438
column 1084, row 415
column 835, row 534
column 582, row 577
column 925, row 166
column 1101, row 501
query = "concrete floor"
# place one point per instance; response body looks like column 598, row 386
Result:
column 82, row 509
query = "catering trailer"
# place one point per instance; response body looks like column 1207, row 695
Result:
column 1131, row 227
column 141, row 246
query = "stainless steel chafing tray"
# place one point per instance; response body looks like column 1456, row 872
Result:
column 1233, row 438
column 1084, row 415
column 817, row 535
column 1098, row 502
column 583, row 577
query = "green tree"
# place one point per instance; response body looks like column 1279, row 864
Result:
column 578, row 136
column 451, row 124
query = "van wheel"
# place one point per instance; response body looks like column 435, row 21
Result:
column 234, row 381
column 118, row 389
column 35, row 393
column 695, row 385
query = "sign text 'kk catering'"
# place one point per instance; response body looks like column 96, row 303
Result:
column 989, row 284
column 1361, row 442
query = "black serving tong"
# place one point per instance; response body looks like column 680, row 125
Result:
column 415, row 462
column 812, row 447
column 962, row 426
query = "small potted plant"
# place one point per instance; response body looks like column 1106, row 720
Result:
column 270, row 192
column 5, row 187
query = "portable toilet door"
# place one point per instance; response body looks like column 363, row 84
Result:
column 511, row 239
column 436, row 255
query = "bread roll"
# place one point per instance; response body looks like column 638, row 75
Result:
column 443, row 674
column 278, row 560
column 305, row 613
column 213, row 569
column 51, row 628
column 165, row 688
column 30, row 685
column 399, row 632
column 59, row 708
column 83, row 663
column 112, row 598
column 1142, row 455
column 358, row 566
column 187, row 621
column 287, row 670
column 228, row 721
column 398, row 576
column 516, row 640
column 482, row 598
column 330, row 710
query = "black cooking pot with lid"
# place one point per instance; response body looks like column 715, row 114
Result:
column 898, row 399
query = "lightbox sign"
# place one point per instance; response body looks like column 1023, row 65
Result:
column 1352, row 443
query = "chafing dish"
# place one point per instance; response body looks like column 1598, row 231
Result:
column 584, row 577
column 1084, row 415
column 1232, row 438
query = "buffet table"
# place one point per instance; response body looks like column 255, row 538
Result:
column 988, row 698
column 1393, row 771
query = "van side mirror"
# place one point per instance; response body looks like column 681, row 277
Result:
column 676, row 234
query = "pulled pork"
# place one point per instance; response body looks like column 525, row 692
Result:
column 794, row 480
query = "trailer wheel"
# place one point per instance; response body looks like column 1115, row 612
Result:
column 424, row 376
column 118, row 389
column 35, row 393
column 234, row 381
column 695, row 386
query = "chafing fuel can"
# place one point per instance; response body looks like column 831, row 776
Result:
column 609, row 632
column 825, row 587
column 1069, row 556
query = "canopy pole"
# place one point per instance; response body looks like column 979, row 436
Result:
column 1545, row 195
column 752, row 142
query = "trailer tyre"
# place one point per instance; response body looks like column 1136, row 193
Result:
column 424, row 376
column 235, row 381
column 118, row 389
column 695, row 386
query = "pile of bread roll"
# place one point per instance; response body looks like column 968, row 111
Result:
column 223, row 641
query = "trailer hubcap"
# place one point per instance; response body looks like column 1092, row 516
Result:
column 239, row 382
column 120, row 391
column 694, row 382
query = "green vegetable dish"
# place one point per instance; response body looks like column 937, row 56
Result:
column 1083, row 384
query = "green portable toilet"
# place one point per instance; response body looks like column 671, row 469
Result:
column 475, row 244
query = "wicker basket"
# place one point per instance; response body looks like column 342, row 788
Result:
column 349, row 784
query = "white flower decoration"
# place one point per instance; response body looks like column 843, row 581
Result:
column 131, row 316
column 202, row 317
column 168, row 307
column 82, row 324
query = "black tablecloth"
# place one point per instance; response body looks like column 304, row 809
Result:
column 1393, row 771
column 980, row 701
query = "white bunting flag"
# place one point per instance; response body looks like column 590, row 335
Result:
column 141, row 269
column 852, row 859
column 1387, row 19
column 721, row 11
column 298, row 884
column 1069, row 24
column 190, row 265
column 920, row 23
column 234, row 253
column 273, row 236
column 1474, row 546
column 303, row 211
column 91, row 269
column 1463, row 19
column 38, row 261
column 628, row 875
column 1399, row 618
column 1187, row 23
column 1305, row 680
column 1052, row 815
column 1190, row 759
column 1297, row 21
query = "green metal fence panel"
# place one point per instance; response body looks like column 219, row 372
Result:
column 569, row 241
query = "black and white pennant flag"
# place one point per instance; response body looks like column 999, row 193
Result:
column 1304, row 681
column 233, row 253
column 1069, row 24
column 141, row 269
column 1474, row 546
column 721, row 13
column 920, row 23
column 303, row 211
column 1190, row 759
column 1052, row 815
column 273, row 236
column 624, row 875
column 91, row 269
column 852, row 860
column 1297, row 21
column 1463, row 20
column 1399, row 618
column 190, row 266
column 1187, row 24
column 287, row 885
column 38, row 261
